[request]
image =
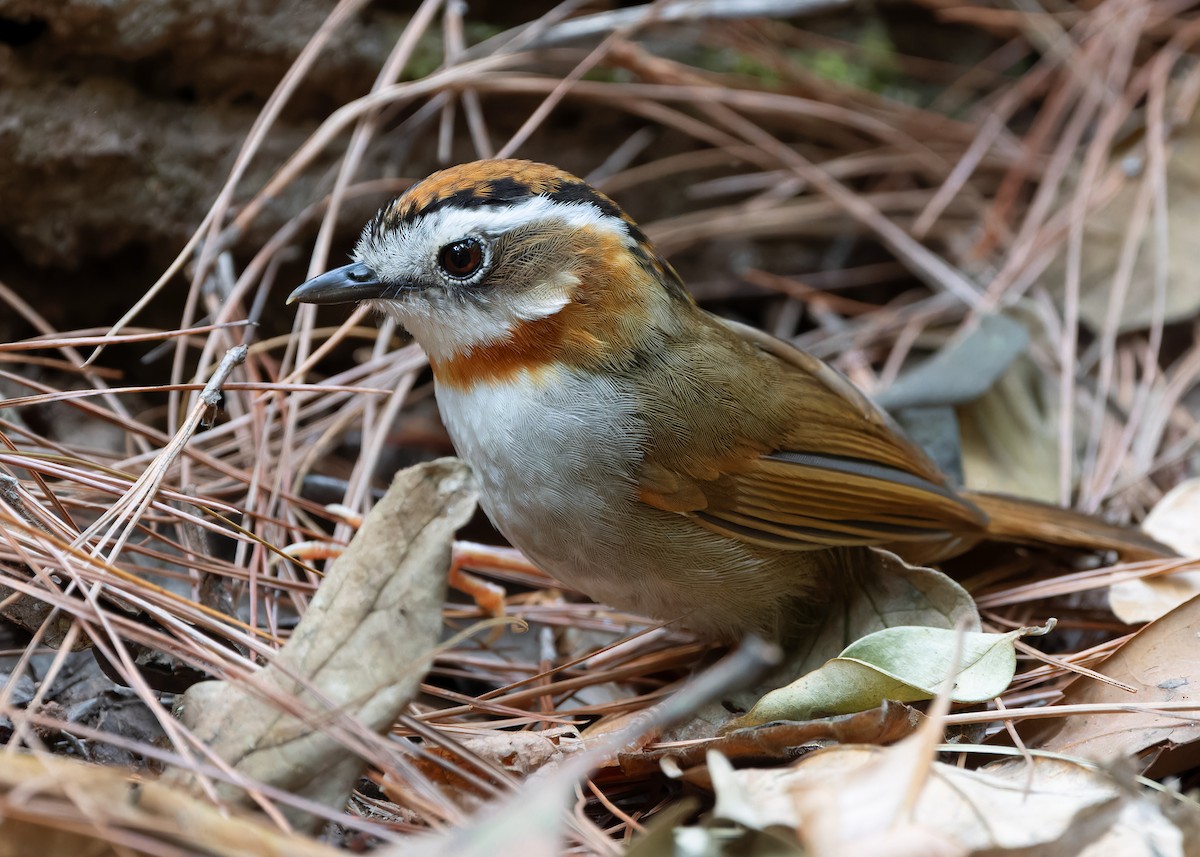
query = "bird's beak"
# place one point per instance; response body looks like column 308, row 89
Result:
column 349, row 283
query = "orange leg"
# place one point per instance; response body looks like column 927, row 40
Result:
column 490, row 597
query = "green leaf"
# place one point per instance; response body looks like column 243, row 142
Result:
column 889, row 593
column 904, row 663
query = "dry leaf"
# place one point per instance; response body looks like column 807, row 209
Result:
column 1009, row 436
column 1104, row 237
column 54, row 806
column 1173, row 520
column 779, row 742
column 964, row 369
column 869, row 811
column 946, row 405
column 1159, row 661
column 1142, row 829
column 519, row 753
column 1002, row 425
column 1174, row 523
column 360, row 650
column 866, row 800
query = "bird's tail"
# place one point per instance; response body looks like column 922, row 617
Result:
column 1012, row 519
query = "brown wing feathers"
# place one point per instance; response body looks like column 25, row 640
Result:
column 833, row 470
column 801, row 501
column 1014, row 519
column 814, row 465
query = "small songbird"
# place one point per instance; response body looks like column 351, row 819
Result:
column 652, row 455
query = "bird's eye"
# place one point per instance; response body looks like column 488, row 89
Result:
column 462, row 258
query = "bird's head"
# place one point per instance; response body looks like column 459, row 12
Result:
column 502, row 266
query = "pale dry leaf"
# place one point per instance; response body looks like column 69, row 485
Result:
column 1009, row 436
column 1146, row 599
column 1173, row 521
column 871, row 810
column 1141, row 829
column 1160, row 661
column 360, row 651
column 876, row 801
column 52, row 805
column 736, row 799
column 1110, row 814
column 1104, row 236
column 524, row 752
column 861, row 800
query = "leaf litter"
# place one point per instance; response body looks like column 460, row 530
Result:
column 562, row 734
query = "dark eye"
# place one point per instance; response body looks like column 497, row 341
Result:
column 462, row 258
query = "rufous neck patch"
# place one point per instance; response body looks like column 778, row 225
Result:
column 530, row 348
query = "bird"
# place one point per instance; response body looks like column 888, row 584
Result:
column 650, row 454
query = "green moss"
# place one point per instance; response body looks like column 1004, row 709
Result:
column 873, row 67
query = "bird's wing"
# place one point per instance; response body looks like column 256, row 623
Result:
column 811, row 463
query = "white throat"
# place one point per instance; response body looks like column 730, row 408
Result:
column 450, row 327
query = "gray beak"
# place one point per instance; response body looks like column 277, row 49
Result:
column 349, row 283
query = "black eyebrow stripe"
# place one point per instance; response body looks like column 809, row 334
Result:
column 580, row 192
column 505, row 191
column 508, row 189
column 499, row 192
column 466, row 198
column 583, row 192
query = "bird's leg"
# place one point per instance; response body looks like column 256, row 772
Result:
column 490, row 597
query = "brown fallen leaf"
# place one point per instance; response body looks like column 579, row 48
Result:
column 519, row 753
column 1159, row 661
column 50, row 805
column 360, row 650
column 779, row 742
column 869, row 812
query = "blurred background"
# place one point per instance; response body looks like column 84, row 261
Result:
column 984, row 213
